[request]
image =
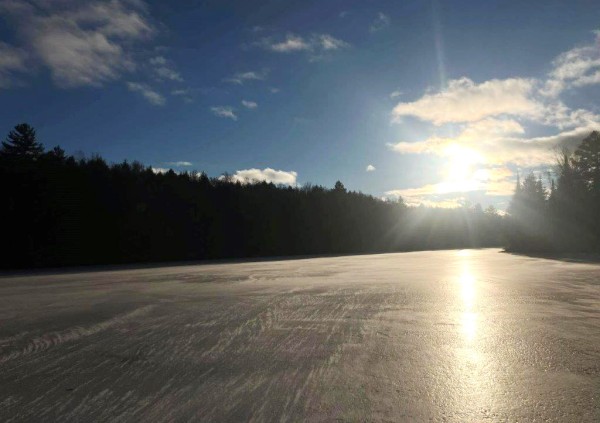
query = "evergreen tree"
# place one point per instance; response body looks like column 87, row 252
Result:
column 339, row 187
column 587, row 161
column 21, row 143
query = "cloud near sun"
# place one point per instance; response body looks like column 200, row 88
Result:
column 492, row 119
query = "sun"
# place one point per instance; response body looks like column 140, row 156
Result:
column 460, row 171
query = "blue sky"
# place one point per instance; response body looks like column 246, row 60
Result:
column 438, row 102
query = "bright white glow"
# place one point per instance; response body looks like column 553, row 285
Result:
column 469, row 325
column 467, row 283
column 251, row 176
column 460, row 175
column 468, row 293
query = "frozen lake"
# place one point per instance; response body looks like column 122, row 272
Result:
column 447, row 335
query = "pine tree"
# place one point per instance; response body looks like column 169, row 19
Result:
column 21, row 143
column 587, row 161
column 339, row 187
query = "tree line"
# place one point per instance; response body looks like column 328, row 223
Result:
column 565, row 216
column 59, row 210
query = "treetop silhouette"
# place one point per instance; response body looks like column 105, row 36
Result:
column 64, row 210
column 21, row 142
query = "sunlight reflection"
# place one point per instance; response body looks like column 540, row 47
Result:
column 472, row 362
column 469, row 325
column 468, row 295
column 467, row 283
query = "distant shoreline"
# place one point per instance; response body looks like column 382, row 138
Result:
column 560, row 256
column 234, row 260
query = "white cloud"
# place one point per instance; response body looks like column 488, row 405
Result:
column 370, row 168
column 395, row 94
column 184, row 93
column 559, row 115
column 147, row 92
column 249, row 104
column 274, row 90
column 241, row 77
column 330, row 43
column 577, row 67
column 160, row 170
column 465, row 101
column 224, row 112
column 179, row 164
column 158, row 61
column 265, row 175
column 499, row 181
column 492, row 119
column 496, row 142
column 165, row 72
column 164, row 69
column 82, row 43
column 382, row 21
column 180, row 92
column 493, row 181
column 291, row 43
column 317, row 44
column 12, row 60
column 471, row 136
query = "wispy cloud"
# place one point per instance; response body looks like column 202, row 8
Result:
column 265, row 175
column 577, row 67
column 249, row 104
column 164, row 72
column 290, row 44
column 370, row 168
column 396, row 93
column 499, row 142
column 164, row 69
column 241, row 77
column 82, row 43
column 224, row 112
column 382, row 21
column 317, row 45
column 12, row 60
column 179, row 164
column 158, row 61
column 489, row 118
column 327, row 42
column 184, row 93
column 274, row 90
column 147, row 92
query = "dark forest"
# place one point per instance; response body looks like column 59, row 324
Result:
column 59, row 210
column 565, row 216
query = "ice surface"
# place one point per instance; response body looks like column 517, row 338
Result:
column 447, row 335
